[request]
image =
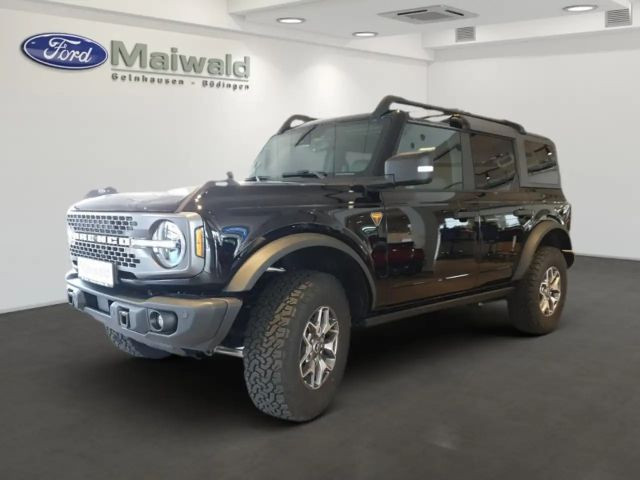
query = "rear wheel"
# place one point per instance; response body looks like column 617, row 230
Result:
column 133, row 348
column 536, row 304
column 296, row 345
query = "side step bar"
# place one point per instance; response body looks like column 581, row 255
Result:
column 237, row 352
column 432, row 307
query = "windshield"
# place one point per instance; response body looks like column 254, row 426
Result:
column 320, row 150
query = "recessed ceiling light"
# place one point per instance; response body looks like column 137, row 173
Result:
column 580, row 8
column 291, row 20
column 365, row 34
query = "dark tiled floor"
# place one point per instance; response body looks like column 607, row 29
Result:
column 452, row 395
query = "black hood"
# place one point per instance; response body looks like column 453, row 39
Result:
column 152, row 202
column 219, row 195
column 252, row 196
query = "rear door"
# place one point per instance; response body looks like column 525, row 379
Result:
column 502, row 208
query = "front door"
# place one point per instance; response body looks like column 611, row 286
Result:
column 431, row 238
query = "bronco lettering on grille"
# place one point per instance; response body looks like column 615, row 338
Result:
column 108, row 240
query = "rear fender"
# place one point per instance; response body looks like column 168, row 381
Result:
column 546, row 232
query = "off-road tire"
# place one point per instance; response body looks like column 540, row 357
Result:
column 524, row 303
column 273, row 340
column 133, row 348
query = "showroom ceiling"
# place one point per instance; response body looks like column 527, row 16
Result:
column 342, row 18
column 460, row 25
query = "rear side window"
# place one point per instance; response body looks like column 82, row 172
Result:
column 542, row 163
column 494, row 162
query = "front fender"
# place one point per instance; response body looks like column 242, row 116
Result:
column 252, row 269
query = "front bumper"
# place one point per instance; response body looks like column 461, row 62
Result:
column 202, row 323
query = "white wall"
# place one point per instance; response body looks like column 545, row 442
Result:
column 583, row 93
column 66, row 132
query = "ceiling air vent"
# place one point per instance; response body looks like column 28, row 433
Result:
column 432, row 14
column 618, row 18
column 465, row 34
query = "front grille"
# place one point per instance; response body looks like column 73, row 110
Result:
column 118, row 255
column 118, row 238
column 104, row 224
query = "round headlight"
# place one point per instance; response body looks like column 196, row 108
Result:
column 171, row 255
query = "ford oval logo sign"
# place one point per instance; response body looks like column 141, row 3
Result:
column 64, row 50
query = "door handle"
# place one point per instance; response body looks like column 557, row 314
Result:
column 463, row 214
column 523, row 212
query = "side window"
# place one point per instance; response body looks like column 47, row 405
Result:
column 355, row 145
column 446, row 148
column 542, row 164
column 494, row 162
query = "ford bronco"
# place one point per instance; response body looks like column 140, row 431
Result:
column 343, row 223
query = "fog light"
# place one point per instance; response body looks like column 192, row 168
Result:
column 163, row 322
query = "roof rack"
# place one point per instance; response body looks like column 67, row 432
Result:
column 288, row 124
column 385, row 104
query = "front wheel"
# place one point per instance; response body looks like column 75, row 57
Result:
column 536, row 304
column 296, row 345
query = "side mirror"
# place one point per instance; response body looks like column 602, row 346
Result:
column 410, row 168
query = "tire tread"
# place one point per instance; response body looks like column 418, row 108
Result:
column 523, row 303
column 272, row 344
column 133, row 348
column 264, row 341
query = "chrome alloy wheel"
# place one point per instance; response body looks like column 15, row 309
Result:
column 550, row 291
column 319, row 347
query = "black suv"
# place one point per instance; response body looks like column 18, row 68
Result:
column 344, row 223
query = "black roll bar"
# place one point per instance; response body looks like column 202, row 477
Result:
column 287, row 125
column 385, row 106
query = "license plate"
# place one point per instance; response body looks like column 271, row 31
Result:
column 95, row 271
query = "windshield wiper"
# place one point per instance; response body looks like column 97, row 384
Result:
column 305, row 174
column 258, row 178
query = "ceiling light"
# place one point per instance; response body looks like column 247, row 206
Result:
column 365, row 34
column 580, row 8
column 291, row 20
